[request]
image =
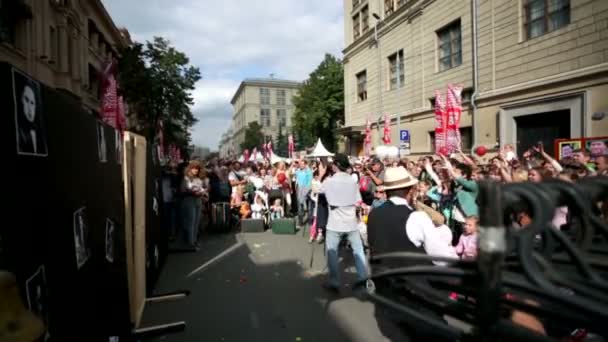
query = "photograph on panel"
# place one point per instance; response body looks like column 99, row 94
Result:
column 110, row 228
column 81, row 235
column 29, row 116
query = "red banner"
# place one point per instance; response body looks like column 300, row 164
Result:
column 291, row 145
column 367, row 143
column 453, row 113
column 246, row 156
column 440, row 124
column 387, row 130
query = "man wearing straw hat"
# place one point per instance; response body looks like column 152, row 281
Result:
column 396, row 226
column 343, row 197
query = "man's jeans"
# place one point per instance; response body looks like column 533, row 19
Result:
column 332, row 241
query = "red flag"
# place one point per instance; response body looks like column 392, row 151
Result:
column 367, row 144
column 440, row 123
column 269, row 149
column 255, row 153
column 387, row 130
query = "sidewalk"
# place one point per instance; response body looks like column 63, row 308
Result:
column 260, row 287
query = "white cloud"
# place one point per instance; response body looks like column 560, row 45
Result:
column 234, row 39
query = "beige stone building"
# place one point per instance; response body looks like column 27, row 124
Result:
column 541, row 71
column 267, row 101
column 62, row 43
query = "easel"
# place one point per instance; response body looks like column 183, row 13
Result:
column 134, row 176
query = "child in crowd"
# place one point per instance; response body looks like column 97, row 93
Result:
column 467, row 244
column 258, row 206
column 276, row 210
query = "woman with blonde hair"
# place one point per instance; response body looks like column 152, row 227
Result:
column 192, row 192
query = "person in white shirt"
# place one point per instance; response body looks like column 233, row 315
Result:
column 343, row 197
column 396, row 226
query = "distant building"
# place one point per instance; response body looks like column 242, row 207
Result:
column 62, row 43
column 226, row 145
column 267, row 101
column 543, row 69
column 199, row 152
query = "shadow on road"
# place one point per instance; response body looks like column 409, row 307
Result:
column 258, row 291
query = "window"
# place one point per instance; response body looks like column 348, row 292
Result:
column 356, row 3
column 389, row 7
column 54, row 45
column 450, row 47
column 282, row 118
column 401, row 3
column 365, row 19
column 13, row 15
column 265, row 117
column 543, row 16
column 281, row 97
column 396, row 70
column 465, row 139
column 265, row 96
column 356, row 27
column 362, row 85
column 93, row 82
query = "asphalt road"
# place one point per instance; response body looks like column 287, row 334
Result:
column 262, row 287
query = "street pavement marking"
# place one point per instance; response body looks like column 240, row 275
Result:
column 216, row 258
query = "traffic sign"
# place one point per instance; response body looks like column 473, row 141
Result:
column 405, row 135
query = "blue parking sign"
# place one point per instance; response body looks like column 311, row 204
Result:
column 405, row 135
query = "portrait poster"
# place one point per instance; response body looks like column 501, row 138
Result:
column 36, row 292
column 110, row 228
column 597, row 146
column 30, row 123
column 101, row 143
column 81, row 237
column 565, row 147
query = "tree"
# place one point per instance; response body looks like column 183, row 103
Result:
column 281, row 143
column 157, row 80
column 319, row 105
column 253, row 136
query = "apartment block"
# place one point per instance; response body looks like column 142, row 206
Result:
column 62, row 43
column 542, row 69
column 265, row 100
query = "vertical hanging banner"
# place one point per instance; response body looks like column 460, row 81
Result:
column 387, row 130
column 291, row 145
column 454, row 112
column 367, row 143
column 440, row 124
column 109, row 95
column 245, row 155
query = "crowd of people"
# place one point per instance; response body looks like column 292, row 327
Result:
column 425, row 204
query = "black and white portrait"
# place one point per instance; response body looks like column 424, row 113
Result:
column 37, row 301
column 29, row 121
column 109, row 240
column 81, row 235
column 101, row 143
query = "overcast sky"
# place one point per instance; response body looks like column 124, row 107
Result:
column 230, row 40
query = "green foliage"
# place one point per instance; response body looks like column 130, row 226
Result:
column 157, row 80
column 281, row 144
column 253, row 136
column 319, row 106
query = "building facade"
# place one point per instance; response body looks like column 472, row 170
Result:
column 226, row 147
column 62, row 43
column 267, row 101
column 541, row 69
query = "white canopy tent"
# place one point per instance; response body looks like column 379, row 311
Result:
column 275, row 159
column 320, row 151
